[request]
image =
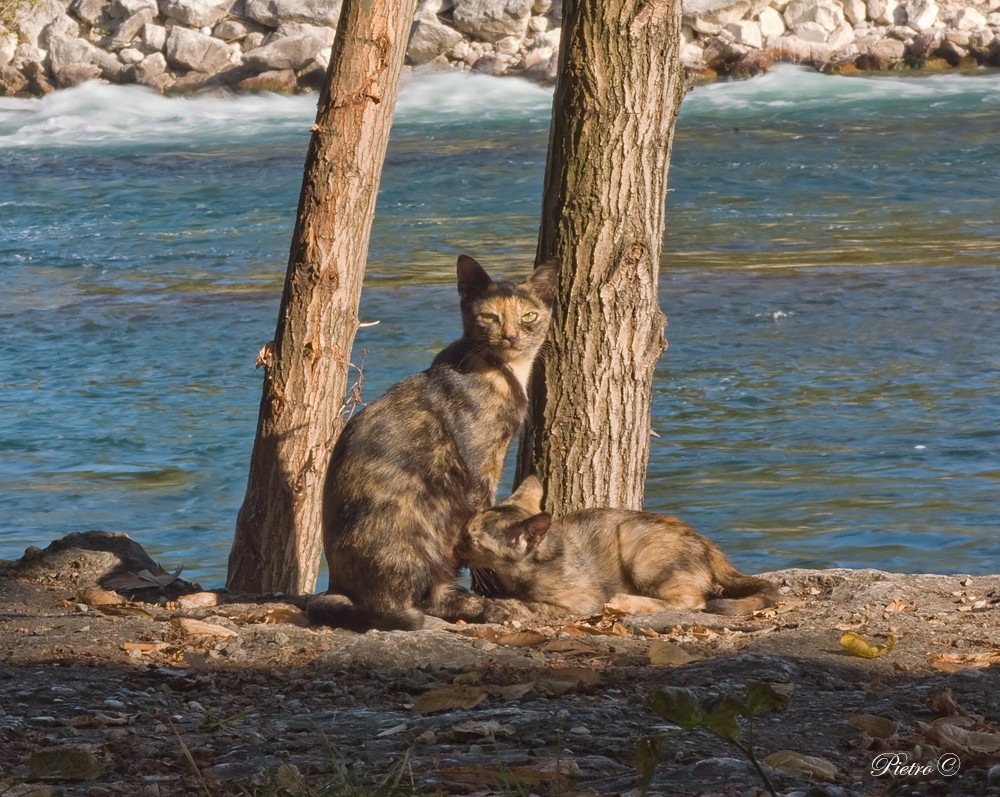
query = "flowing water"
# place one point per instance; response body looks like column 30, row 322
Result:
column 831, row 273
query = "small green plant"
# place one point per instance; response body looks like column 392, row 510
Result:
column 719, row 716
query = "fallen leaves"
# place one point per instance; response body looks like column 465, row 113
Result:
column 953, row 662
column 858, row 646
column 664, row 652
column 449, row 698
column 800, row 765
column 193, row 627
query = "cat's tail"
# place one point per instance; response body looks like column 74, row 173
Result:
column 337, row 611
column 737, row 593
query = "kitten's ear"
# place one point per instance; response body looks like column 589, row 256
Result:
column 545, row 279
column 535, row 529
column 529, row 492
column 472, row 278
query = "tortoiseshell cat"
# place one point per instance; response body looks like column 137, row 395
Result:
column 574, row 564
column 409, row 470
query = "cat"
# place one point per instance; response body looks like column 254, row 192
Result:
column 412, row 467
column 574, row 564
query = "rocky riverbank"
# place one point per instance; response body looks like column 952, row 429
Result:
column 175, row 46
column 166, row 690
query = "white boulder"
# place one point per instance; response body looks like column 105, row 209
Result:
column 196, row 13
column 276, row 12
column 189, row 49
column 492, row 20
column 430, row 38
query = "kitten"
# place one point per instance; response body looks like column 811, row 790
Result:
column 410, row 469
column 573, row 565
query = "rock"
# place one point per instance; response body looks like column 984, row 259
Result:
column 196, row 13
column 429, row 39
column 491, row 20
column 130, row 29
column 149, row 68
column 493, row 64
column 8, row 46
column 883, row 54
column 292, row 47
column 154, row 37
column 188, row 49
column 951, row 52
column 967, row 19
column 273, row 13
column 31, row 20
column 855, row 11
column 62, row 27
column 11, row 81
column 746, row 33
column 926, row 43
column 921, row 14
column 123, row 9
column 278, row 81
column 131, row 55
column 234, row 30
column 38, row 82
column 842, row 37
column 89, row 11
column 72, row 63
column 772, row 24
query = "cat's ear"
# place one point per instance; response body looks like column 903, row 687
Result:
column 472, row 278
column 528, row 492
column 545, row 279
column 535, row 529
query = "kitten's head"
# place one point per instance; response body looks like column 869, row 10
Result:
column 506, row 321
column 506, row 533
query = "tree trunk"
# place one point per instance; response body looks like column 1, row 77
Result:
column 618, row 93
column 277, row 544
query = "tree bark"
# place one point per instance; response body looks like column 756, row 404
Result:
column 618, row 93
column 277, row 544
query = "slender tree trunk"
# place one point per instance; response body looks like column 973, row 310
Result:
column 277, row 544
column 618, row 93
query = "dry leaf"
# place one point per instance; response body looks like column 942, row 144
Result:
column 579, row 676
column 287, row 615
column 875, row 726
column 663, row 652
column 897, row 604
column 953, row 662
column 571, row 647
column 193, row 627
column 198, row 599
column 801, row 766
column 859, row 646
column 521, row 639
column 959, row 740
column 448, row 698
column 489, row 729
column 99, row 597
column 512, row 692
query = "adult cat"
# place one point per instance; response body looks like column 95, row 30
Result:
column 409, row 470
column 574, row 564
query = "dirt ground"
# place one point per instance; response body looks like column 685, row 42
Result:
column 207, row 693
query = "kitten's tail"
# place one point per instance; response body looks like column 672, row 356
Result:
column 338, row 611
column 737, row 593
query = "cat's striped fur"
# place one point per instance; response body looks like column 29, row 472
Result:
column 574, row 564
column 411, row 468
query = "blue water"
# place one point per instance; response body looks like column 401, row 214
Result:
column 830, row 397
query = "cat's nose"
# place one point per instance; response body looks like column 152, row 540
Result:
column 510, row 338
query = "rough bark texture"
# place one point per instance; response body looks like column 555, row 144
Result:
column 277, row 545
column 619, row 90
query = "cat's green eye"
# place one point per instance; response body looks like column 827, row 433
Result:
column 530, row 318
column 489, row 318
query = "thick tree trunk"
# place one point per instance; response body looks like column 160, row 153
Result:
column 618, row 93
column 277, row 544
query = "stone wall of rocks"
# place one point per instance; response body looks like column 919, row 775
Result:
column 284, row 45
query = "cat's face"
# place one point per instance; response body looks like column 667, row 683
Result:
column 504, row 319
column 507, row 532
